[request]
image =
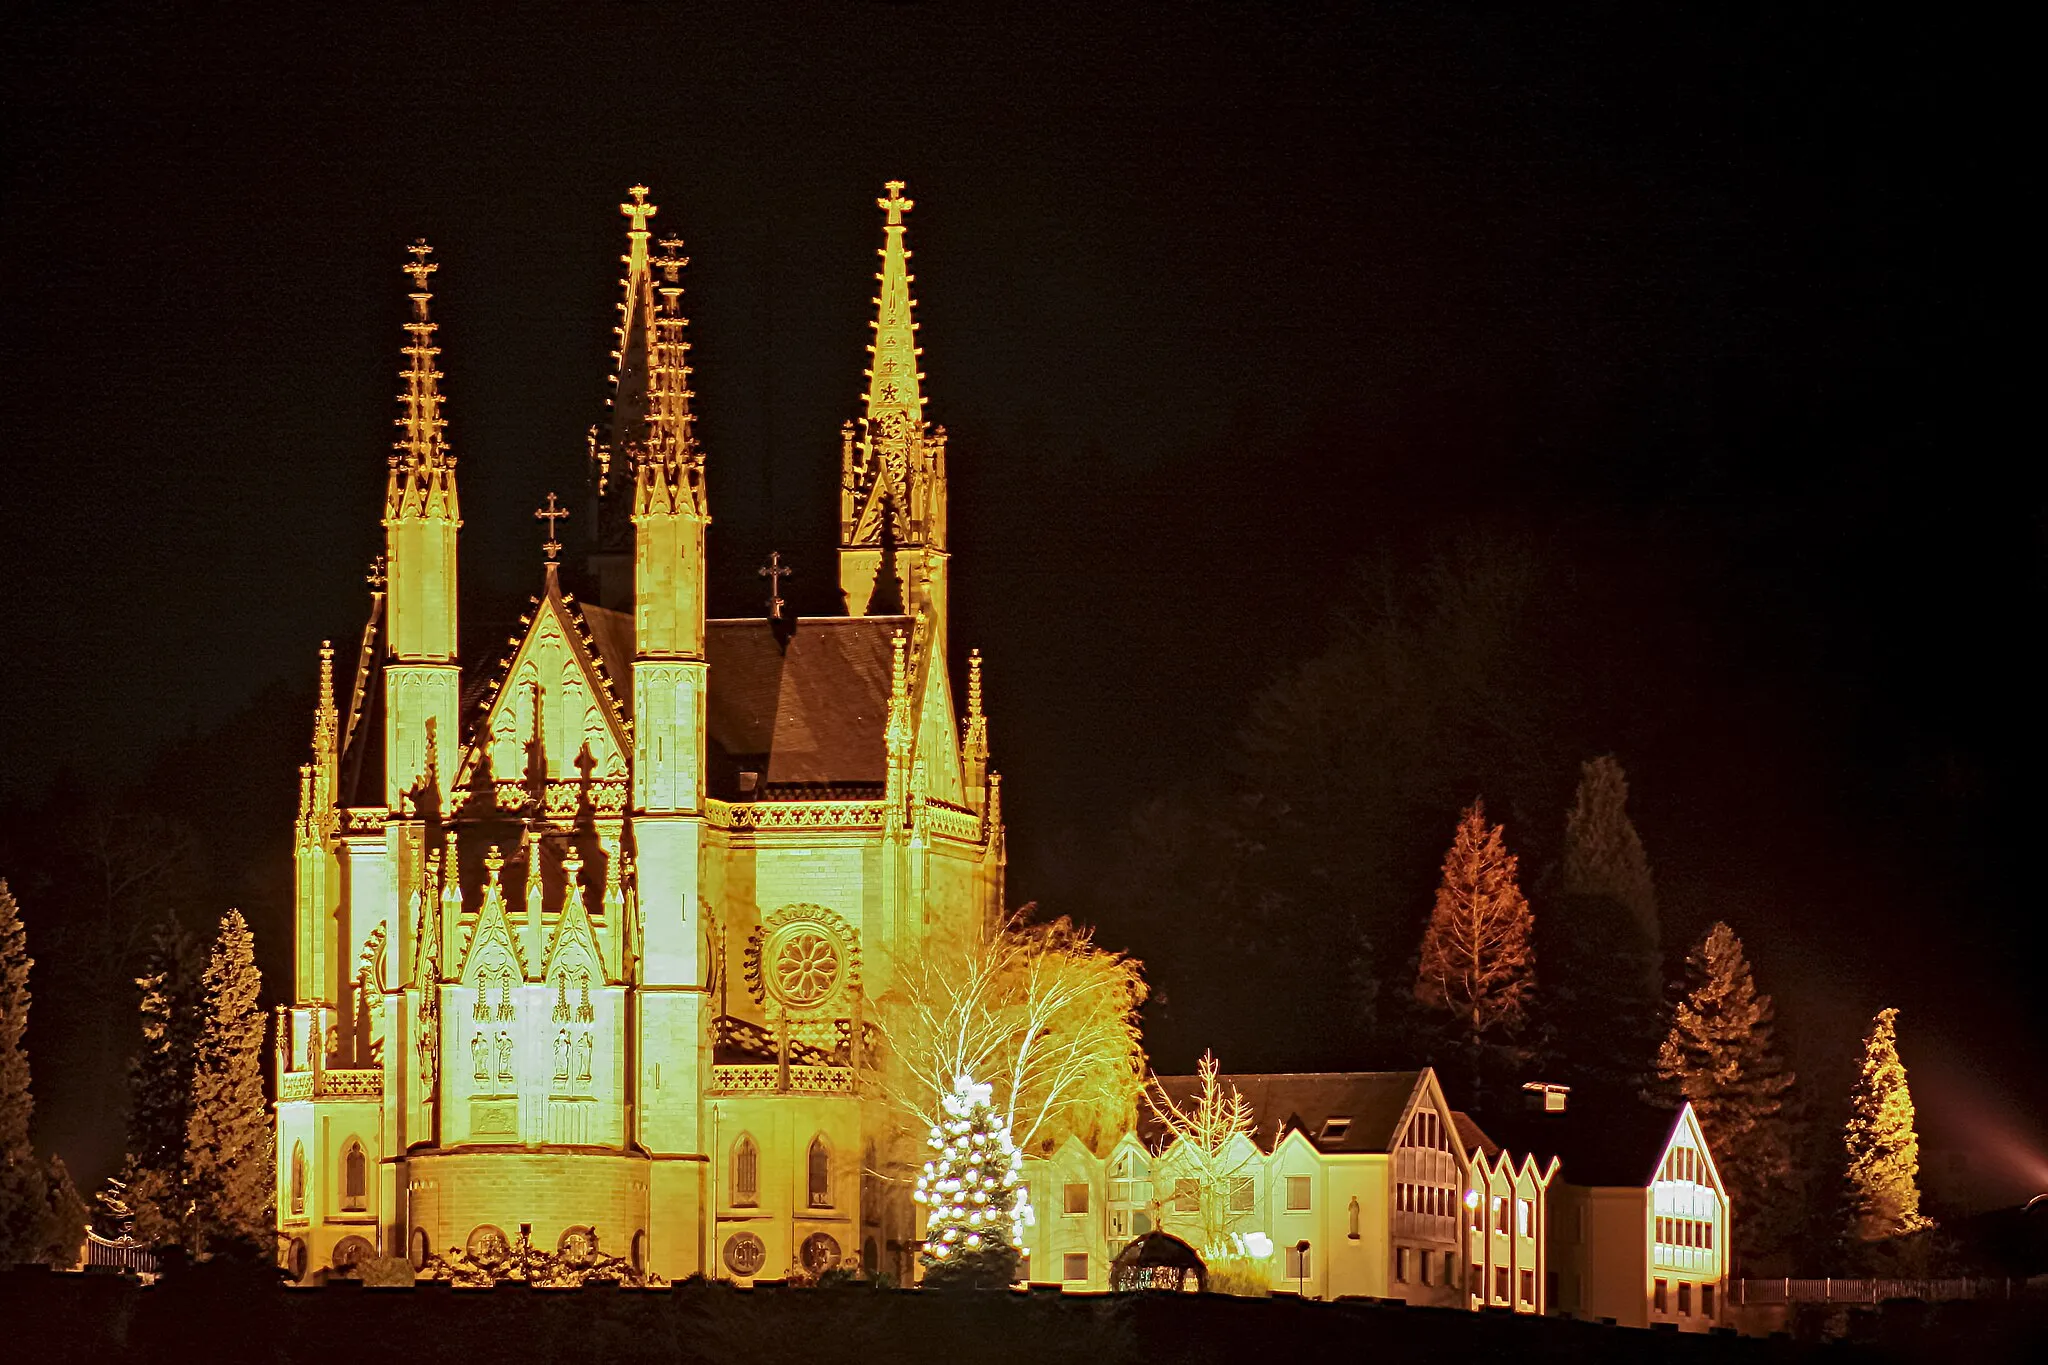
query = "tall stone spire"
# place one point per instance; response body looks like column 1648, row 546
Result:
column 615, row 442
column 893, row 484
column 421, row 518
column 668, row 468
column 422, row 480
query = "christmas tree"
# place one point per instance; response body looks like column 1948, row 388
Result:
column 1478, row 964
column 1720, row 1055
column 972, row 1188
column 227, row 1137
column 1884, row 1149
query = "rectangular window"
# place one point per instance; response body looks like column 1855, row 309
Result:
column 1662, row 1239
column 1685, row 1298
column 1077, row 1197
column 1241, row 1194
column 1422, row 1259
column 1298, row 1262
column 1529, row 1285
column 1476, row 1225
column 1119, row 1191
column 1297, row 1193
column 1500, row 1214
column 1187, row 1195
column 1549, row 1290
column 1660, row 1298
column 1401, row 1264
column 1074, row 1266
column 1500, row 1284
column 1478, row 1282
column 1525, row 1216
column 1706, row 1301
column 1707, row 1231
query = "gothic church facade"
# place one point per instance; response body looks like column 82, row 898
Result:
column 591, row 920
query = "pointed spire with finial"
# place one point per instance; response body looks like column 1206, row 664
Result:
column 669, row 467
column 422, row 479
column 617, row 441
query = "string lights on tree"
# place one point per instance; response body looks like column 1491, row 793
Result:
column 973, row 1189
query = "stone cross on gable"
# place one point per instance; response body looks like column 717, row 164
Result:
column 775, row 572
column 551, row 514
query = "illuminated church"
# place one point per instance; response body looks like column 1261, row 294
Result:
column 590, row 920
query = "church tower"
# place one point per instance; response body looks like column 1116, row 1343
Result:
column 892, row 504
column 421, row 517
column 670, row 679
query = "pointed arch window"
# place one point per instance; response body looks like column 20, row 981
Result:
column 746, row 1172
column 355, row 1178
column 820, row 1169
column 298, row 1180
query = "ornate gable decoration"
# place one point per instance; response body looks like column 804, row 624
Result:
column 572, row 958
column 804, row 963
column 492, row 956
column 552, row 706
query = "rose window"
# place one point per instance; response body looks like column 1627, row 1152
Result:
column 806, row 968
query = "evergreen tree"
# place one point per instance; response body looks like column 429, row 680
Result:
column 1603, row 855
column 21, row 1180
column 973, row 1187
column 154, row 1188
column 64, row 1218
column 1601, row 1008
column 1478, row 964
column 1720, row 1056
column 227, row 1134
column 1884, row 1149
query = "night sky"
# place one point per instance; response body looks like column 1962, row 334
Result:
column 1220, row 310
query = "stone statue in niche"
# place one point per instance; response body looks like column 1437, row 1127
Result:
column 562, row 1055
column 504, row 1057
column 583, row 1050
column 480, row 1053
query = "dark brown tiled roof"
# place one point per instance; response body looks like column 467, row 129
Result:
column 1471, row 1135
column 1372, row 1100
column 1608, row 1145
column 807, row 714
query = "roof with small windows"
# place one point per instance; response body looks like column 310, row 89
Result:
column 1337, row 1111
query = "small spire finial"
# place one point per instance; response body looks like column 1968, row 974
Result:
column 639, row 210
column 551, row 514
column 419, row 267
column 327, row 675
column 974, row 683
column 376, row 577
column 896, row 204
column 775, row 572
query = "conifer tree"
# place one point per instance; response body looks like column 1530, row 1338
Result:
column 1478, row 963
column 227, row 1134
column 64, row 1217
column 1603, row 855
column 1884, row 1149
column 155, row 1194
column 973, row 1188
column 1601, row 1011
column 21, row 1180
column 1720, row 1055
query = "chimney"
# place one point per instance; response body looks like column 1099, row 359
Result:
column 1546, row 1098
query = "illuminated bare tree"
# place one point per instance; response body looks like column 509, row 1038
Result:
column 1208, row 1144
column 1038, row 1012
column 1478, row 962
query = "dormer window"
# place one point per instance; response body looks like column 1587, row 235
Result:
column 1334, row 1130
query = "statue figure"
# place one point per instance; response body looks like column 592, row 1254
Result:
column 480, row 1052
column 504, row 1056
column 583, row 1049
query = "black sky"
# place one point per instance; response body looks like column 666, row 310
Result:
column 1217, row 306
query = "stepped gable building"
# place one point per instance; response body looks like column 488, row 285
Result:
column 1616, row 1213
column 590, row 919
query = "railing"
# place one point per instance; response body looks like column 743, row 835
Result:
column 125, row 1254
column 1867, row 1291
column 738, row 815
column 766, row 1080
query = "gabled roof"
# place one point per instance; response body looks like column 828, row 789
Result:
column 1374, row 1102
column 1597, row 1145
column 807, row 716
column 1471, row 1136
